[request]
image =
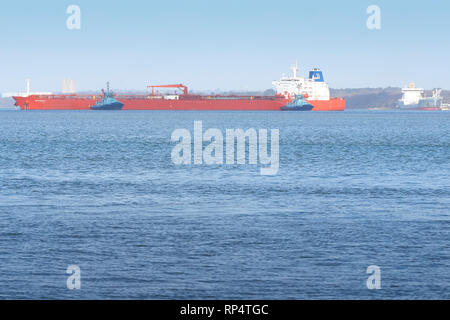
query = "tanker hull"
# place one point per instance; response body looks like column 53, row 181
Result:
column 153, row 103
column 334, row 104
column 72, row 102
column 56, row 102
column 204, row 104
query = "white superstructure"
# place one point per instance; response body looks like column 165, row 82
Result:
column 411, row 94
column 314, row 86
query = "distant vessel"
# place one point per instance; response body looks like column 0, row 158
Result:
column 413, row 99
column 108, row 102
column 298, row 104
column 314, row 87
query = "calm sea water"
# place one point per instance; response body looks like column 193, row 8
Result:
column 99, row 190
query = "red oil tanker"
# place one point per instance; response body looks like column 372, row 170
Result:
column 314, row 88
column 154, row 101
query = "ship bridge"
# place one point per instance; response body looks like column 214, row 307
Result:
column 314, row 86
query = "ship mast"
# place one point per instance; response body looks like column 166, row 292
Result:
column 295, row 69
column 28, row 87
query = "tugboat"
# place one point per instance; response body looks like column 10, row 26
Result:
column 298, row 104
column 108, row 102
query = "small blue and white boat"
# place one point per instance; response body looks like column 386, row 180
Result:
column 298, row 104
column 108, row 102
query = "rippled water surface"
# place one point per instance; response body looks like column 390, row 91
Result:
column 99, row 190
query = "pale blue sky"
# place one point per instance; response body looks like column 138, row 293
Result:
column 222, row 44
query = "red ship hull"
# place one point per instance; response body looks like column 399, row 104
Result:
column 182, row 102
column 334, row 104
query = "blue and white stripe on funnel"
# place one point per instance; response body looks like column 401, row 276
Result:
column 316, row 75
